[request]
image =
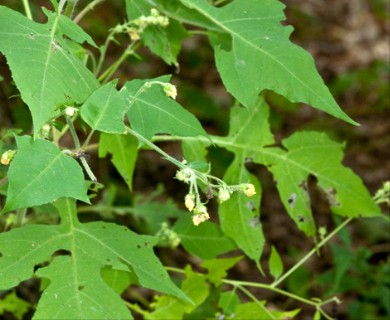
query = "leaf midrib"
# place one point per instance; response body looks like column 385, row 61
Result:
column 234, row 34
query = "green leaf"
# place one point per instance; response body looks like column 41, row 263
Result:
column 40, row 173
column 154, row 213
column 314, row 153
column 240, row 215
column 205, row 241
column 275, row 263
column 72, row 255
column 162, row 41
column 167, row 307
column 302, row 154
column 105, row 108
column 228, row 302
column 217, row 268
column 118, row 280
column 176, row 10
column 151, row 111
column 253, row 310
column 259, row 55
column 124, row 150
column 46, row 74
column 13, row 304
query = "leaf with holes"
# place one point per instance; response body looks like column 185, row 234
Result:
column 314, row 153
column 47, row 75
column 303, row 154
column 72, row 256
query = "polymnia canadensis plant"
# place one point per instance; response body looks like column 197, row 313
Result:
column 63, row 77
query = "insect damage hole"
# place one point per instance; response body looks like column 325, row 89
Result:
column 292, row 199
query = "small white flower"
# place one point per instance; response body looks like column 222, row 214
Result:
column 197, row 219
column 248, row 189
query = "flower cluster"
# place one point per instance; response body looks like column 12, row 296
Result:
column 167, row 237
column 153, row 19
column 136, row 27
column 192, row 200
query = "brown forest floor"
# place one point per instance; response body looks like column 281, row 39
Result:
column 350, row 44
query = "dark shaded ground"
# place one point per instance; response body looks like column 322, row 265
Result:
column 349, row 42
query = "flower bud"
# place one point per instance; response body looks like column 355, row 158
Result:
column 170, row 90
column 70, row 111
column 7, row 157
column 223, row 195
column 184, row 175
column 189, row 201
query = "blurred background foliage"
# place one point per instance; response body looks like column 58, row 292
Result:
column 350, row 44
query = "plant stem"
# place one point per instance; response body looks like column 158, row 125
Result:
column 240, row 284
column 154, row 147
column 111, row 70
column 27, row 9
column 78, row 148
column 73, row 132
column 20, row 217
column 254, row 299
column 88, row 8
column 312, row 252
column 88, row 169
column 61, row 6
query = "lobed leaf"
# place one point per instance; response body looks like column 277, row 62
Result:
column 253, row 53
column 72, row 255
column 46, row 74
column 303, row 154
column 314, row 153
